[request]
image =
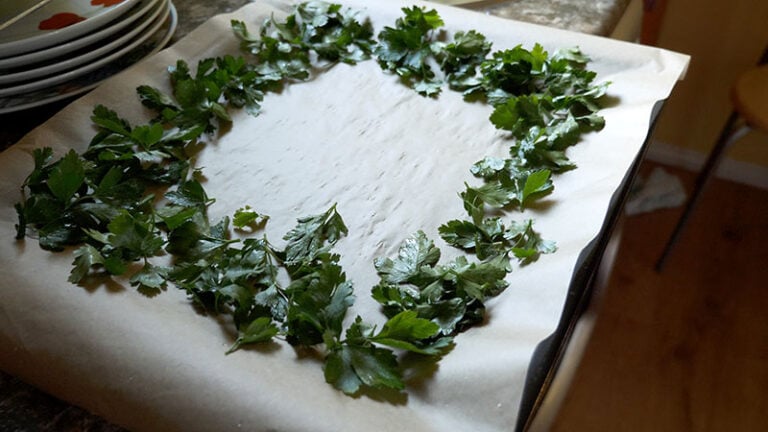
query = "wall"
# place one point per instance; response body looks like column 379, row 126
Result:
column 723, row 39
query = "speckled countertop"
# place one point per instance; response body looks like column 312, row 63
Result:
column 597, row 17
column 24, row 408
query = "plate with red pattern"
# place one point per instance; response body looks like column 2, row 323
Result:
column 91, row 54
column 76, row 85
column 57, row 22
column 100, row 36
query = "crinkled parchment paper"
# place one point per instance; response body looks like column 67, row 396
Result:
column 394, row 162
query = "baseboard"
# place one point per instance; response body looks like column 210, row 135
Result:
column 691, row 160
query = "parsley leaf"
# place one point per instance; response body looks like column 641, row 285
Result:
column 150, row 279
column 259, row 330
column 247, row 217
column 460, row 60
column 225, row 276
column 409, row 332
column 134, row 236
column 308, row 239
column 513, row 71
column 416, row 252
column 491, row 238
column 406, row 48
column 86, row 257
column 335, row 32
column 504, row 188
column 67, row 176
column 282, row 49
column 241, row 278
column 526, row 243
column 357, row 362
column 317, row 303
column 451, row 296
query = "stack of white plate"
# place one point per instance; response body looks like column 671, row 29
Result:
column 67, row 47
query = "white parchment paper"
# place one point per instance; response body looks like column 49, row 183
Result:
column 394, row 162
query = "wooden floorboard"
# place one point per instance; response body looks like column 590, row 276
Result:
column 685, row 349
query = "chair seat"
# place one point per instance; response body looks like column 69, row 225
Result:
column 750, row 97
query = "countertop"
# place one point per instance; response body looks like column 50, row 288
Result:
column 24, row 408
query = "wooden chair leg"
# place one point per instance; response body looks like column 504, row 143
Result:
column 730, row 134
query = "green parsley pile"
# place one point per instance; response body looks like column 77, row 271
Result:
column 105, row 201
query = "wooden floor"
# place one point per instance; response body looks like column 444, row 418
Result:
column 685, row 349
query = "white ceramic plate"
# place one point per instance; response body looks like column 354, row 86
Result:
column 87, row 82
column 84, row 69
column 88, row 53
column 140, row 10
column 56, row 22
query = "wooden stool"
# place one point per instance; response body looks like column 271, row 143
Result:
column 749, row 95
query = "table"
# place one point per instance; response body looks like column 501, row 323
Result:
column 594, row 255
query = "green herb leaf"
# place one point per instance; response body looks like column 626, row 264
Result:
column 313, row 236
column 460, row 60
column 67, row 176
column 409, row 332
column 110, row 121
column 86, row 257
column 416, row 252
column 527, row 244
column 150, row 278
column 537, row 183
column 357, row 363
column 258, row 331
column 136, row 237
column 407, row 48
column 246, row 216
column 318, row 303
